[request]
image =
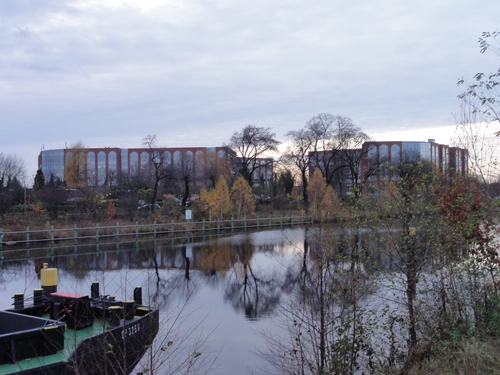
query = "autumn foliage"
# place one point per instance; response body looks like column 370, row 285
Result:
column 323, row 201
column 217, row 201
column 242, row 197
column 465, row 210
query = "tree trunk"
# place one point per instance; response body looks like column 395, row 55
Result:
column 304, row 188
column 186, row 191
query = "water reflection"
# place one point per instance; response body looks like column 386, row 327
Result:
column 237, row 282
column 245, row 265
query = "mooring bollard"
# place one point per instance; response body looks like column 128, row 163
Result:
column 18, row 301
column 37, row 296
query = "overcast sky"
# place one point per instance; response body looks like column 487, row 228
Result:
column 193, row 72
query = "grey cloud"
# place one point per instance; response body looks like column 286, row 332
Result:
column 87, row 68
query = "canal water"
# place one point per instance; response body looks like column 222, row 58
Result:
column 218, row 297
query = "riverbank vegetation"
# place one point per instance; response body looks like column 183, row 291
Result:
column 410, row 289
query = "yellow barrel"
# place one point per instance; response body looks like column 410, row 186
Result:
column 48, row 276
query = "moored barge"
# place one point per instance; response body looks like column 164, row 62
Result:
column 63, row 333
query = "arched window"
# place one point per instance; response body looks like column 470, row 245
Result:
column 101, row 167
column 167, row 157
column 144, row 159
column 112, row 167
column 91, row 168
column 372, row 151
column 198, row 163
column 189, row 160
column 177, row 157
column 124, row 161
column 134, row 163
column 395, row 154
column 383, row 153
column 112, row 161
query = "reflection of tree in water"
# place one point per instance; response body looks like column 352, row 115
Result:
column 216, row 260
column 176, row 284
column 320, row 313
column 179, row 346
column 256, row 296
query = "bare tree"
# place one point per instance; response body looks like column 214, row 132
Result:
column 12, row 171
column 479, row 112
column 478, row 138
column 320, row 314
column 75, row 167
column 409, row 199
column 184, row 172
column 212, row 167
column 11, row 167
column 330, row 136
column 299, row 154
column 53, row 196
column 158, row 165
column 250, row 144
column 334, row 145
column 483, row 95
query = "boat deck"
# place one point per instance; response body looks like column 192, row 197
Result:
column 71, row 339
